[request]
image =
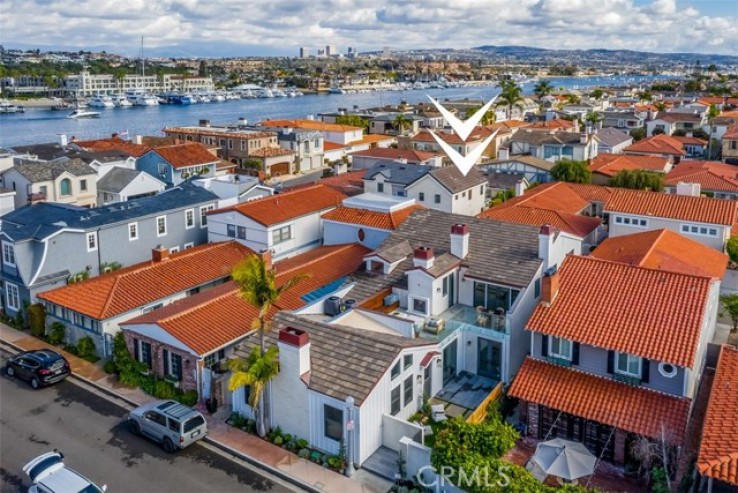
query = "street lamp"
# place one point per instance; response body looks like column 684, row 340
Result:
column 349, row 432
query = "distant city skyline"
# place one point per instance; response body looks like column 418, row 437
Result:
column 191, row 28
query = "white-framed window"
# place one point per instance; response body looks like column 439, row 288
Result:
column 559, row 347
column 161, row 226
column 91, row 241
column 189, row 218
column 281, row 234
column 153, row 307
column 419, row 305
column 632, row 221
column 699, row 230
column 231, row 230
column 174, row 249
column 132, row 231
column 12, row 296
column 188, row 245
column 333, row 422
column 203, row 214
column 628, row 364
column 667, row 370
column 9, row 254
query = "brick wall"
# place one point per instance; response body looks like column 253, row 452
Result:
column 189, row 362
column 533, row 412
column 619, row 451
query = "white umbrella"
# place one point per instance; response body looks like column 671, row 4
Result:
column 564, row 459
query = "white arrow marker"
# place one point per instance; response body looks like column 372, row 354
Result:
column 464, row 163
column 465, row 128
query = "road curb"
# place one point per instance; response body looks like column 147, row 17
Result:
column 225, row 448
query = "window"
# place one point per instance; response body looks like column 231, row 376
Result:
column 145, row 353
column 161, row 226
column 66, row 187
column 187, row 246
column 559, row 348
column 316, row 144
column 408, row 391
column 396, row 370
column 203, row 215
column 230, row 143
column 395, row 401
column 42, row 189
column 456, row 197
column 695, row 229
column 151, row 308
column 481, row 190
column 281, row 234
column 12, row 296
column 492, row 296
column 83, row 185
column 241, row 232
column 628, row 364
column 407, row 361
column 420, row 305
column 174, row 249
column 91, row 241
column 231, row 230
column 537, row 288
column 421, row 197
column 445, row 285
column 667, row 370
column 189, row 218
column 213, row 358
column 132, row 231
column 9, row 254
column 380, row 187
column 437, row 199
column 175, row 365
column 332, row 422
column 243, row 145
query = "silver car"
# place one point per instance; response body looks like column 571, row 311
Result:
column 170, row 423
column 48, row 474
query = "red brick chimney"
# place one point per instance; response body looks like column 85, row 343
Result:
column 159, row 254
column 549, row 287
column 423, row 257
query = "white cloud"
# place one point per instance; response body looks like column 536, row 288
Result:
column 282, row 25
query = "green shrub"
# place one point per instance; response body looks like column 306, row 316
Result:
column 164, row 390
column 287, row 437
column 278, row 440
column 302, row 443
column 732, row 248
column 238, row 421
column 18, row 320
column 57, row 333
column 109, row 367
column 37, row 319
column 188, row 398
column 85, row 347
column 304, row 453
column 148, row 384
column 316, row 457
column 130, row 378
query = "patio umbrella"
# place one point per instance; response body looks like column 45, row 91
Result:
column 564, row 459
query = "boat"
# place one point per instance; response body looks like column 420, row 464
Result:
column 336, row 90
column 264, row 93
column 219, row 97
column 139, row 97
column 81, row 114
column 120, row 101
column 101, row 102
column 6, row 107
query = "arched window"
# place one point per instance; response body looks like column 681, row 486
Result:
column 66, row 187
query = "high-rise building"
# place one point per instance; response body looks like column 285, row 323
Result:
column 351, row 53
column 331, row 50
column 304, row 52
column 386, row 53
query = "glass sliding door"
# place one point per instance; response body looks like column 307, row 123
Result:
column 489, row 359
column 450, row 354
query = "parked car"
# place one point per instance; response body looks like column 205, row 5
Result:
column 39, row 368
column 170, row 423
column 48, row 474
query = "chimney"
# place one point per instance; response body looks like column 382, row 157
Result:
column 294, row 352
column 63, row 140
column 520, row 187
column 460, row 240
column 402, row 160
column 423, row 257
column 691, row 189
column 266, row 256
column 583, row 138
column 138, row 139
column 549, row 286
column 576, row 126
column 546, row 238
column 159, row 254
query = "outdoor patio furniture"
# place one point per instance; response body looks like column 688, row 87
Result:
column 438, row 412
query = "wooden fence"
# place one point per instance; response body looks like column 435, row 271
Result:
column 478, row 415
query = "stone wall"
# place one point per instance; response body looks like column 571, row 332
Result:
column 189, row 362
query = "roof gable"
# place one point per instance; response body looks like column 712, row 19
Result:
column 670, row 206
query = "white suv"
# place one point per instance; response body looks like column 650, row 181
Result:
column 48, row 474
column 170, row 423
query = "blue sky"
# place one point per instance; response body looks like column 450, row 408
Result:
column 280, row 27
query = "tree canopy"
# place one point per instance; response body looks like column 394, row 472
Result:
column 571, row 171
column 638, row 179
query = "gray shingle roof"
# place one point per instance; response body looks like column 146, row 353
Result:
column 399, row 173
column 344, row 361
column 117, row 179
column 540, row 137
column 611, row 137
column 452, row 179
column 36, row 171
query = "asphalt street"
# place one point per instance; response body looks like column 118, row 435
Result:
column 91, row 432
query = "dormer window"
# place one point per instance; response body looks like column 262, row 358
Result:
column 628, row 365
column 559, row 348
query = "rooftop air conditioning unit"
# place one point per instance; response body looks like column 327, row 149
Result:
column 391, row 299
column 332, row 306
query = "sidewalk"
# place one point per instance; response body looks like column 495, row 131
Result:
column 253, row 449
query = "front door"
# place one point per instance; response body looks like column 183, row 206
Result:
column 450, row 353
column 427, row 381
column 489, row 359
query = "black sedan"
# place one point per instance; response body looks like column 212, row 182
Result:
column 39, row 368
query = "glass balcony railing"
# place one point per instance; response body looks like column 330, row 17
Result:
column 466, row 318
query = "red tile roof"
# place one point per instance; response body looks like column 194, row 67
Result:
column 219, row 316
column 664, row 205
column 711, row 175
column 718, row 455
column 575, row 224
column 659, row 144
column 292, row 204
column 136, row 286
column 732, row 132
column 369, row 218
column 634, row 409
column 633, row 312
column 558, row 196
column 113, row 144
column 184, row 155
column 673, row 117
column 332, row 146
column 664, row 249
column 411, row 155
column 611, row 164
column 555, row 124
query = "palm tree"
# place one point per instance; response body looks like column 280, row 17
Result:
column 255, row 372
column 511, row 94
column 488, row 118
column 660, row 106
column 543, row 88
column 593, row 117
column 572, row 99
column 258, row 287
column 401, row 121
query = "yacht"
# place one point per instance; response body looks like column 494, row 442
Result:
column 336, row 90
column 101, row 102
column 80, row 114
column 140, row 97
column 265, row 93
column 8, row 107
column 219, row 97
column 120, row 101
